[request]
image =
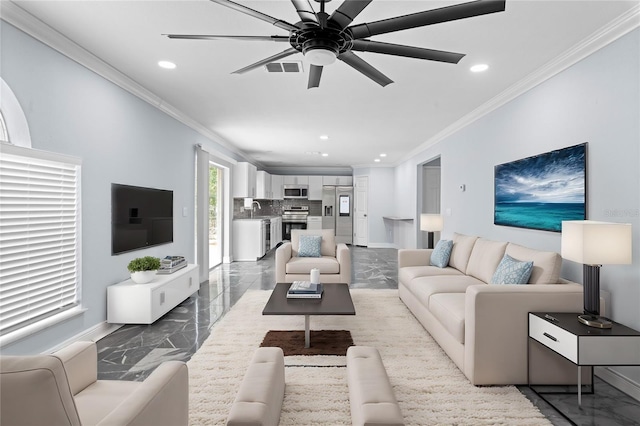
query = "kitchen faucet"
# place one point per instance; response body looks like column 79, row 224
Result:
column 259, row 207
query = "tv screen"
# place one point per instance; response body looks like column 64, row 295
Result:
column 540, row 192
column 140, row 217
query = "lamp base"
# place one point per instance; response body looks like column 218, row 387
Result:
column 594, row 321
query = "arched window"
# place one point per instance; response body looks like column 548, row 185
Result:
column 4, row 136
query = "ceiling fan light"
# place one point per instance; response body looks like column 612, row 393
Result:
column 320, row 56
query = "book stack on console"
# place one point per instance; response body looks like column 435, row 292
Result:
column 304, row 290
column 171, row 264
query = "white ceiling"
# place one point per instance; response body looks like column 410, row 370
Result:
column 274, row 120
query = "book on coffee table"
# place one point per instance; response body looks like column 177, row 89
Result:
column 304, row 290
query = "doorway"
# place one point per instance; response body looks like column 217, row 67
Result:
column 361, row 234
column 216, row 207
column 431, row 191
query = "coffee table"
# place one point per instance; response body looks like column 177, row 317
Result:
column 335, row 300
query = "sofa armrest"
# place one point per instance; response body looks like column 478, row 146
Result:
column 343, row 256
column 162, row 399
column 414, row 257
column 80, row 360
column 496, row 326
column 283, row 255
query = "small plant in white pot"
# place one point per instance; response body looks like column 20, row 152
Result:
column 143, row 269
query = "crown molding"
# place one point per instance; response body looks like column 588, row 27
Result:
column 615, row 29
column 13, row 14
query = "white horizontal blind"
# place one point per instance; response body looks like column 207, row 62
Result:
column 39, row 218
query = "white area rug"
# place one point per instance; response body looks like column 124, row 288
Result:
column 429, row 387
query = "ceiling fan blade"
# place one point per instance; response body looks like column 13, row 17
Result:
column 226, row 37
column 259, row 15
column 429, row 17
column 314, row 76
column 406, row 51
column 365, row 68
column 305, row 11
column 346, row 13
column 266, row 61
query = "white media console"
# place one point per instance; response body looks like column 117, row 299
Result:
column 131, row 303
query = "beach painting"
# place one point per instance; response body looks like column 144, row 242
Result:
column 540, row 192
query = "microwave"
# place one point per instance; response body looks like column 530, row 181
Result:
column 296, row 191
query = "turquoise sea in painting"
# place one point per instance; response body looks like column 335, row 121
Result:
column 545, row 216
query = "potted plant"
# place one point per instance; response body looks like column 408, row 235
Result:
column 143, row 269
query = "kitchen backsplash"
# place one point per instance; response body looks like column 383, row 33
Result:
column 274, row 207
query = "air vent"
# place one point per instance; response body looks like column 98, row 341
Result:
column 289, row 66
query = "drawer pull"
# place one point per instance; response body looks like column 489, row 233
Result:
column 550, row 337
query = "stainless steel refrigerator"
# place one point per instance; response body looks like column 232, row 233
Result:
column 337, row 212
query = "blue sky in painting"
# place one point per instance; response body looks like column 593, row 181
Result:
column 553, row 177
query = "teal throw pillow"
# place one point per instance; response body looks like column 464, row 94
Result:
column 441, row 253
column 512, row 271
column 309, row 246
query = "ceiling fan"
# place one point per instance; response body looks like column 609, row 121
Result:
column 323, row 38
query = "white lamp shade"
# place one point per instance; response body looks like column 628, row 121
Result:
column 596, row 243
column 248, row 203
column 431, row 222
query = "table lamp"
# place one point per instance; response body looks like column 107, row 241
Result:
column 595, row 244
column 430, row 223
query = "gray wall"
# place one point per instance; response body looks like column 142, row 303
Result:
column 380, row 185
column 597, row 101
column 121, row 139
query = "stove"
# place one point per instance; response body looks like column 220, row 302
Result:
column 295, row 214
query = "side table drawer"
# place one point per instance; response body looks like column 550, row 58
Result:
column 554, row 337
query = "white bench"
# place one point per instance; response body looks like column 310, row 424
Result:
column 370, row 393
column 259, row 399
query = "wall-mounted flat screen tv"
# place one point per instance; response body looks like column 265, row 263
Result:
column 540, row 192
column 140, row 217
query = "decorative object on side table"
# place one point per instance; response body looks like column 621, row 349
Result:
column 170, row 264
column 143, row 269
column 431, row 223
column 594, row 244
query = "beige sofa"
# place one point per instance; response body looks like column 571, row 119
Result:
column 483, row 327
column 62, row 389
column 334, row 264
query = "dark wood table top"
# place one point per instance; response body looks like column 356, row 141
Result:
column 335, row 300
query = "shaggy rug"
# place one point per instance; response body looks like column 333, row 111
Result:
column 429, row 387
column 323, row 342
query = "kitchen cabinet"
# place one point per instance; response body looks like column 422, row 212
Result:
column 244, row 180
column 263, row 185
column 248, row 239
column 315, row 188
column 337, row 180
column 314, row 222
column 276, row 231
column 131, row 303
column 295, row 180
column 277, row 192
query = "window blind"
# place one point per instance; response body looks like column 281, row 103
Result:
column 39, row 241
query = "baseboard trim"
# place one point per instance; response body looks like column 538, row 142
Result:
column 93, row 334
column 619, row 381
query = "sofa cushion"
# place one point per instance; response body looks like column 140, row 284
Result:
column 424, row 287
column 512, row 271
column 309, row 246
column 328, row 246
column 546, row 264
column 448, row 308
column 304, row 265
column 461, row 251
column 408, row 273
column 441, row 253
column 484, row 259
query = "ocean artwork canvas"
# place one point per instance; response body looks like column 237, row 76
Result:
column 540, row 192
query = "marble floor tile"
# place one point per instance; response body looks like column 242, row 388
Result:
column 134, row 351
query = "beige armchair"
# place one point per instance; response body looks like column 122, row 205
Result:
column 334, row 263
column 62, row 389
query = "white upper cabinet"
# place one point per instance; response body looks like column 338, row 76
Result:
column 263, row 185
column 244, row 180
column 295, row 180
column 276, row 187
column 315, row 188
column 337, row 180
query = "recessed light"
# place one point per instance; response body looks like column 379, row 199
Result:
column 324, row 137
column 166, row 65
column 377, row 160
column 324, row 154
column 383, row 155
column 479, row 68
